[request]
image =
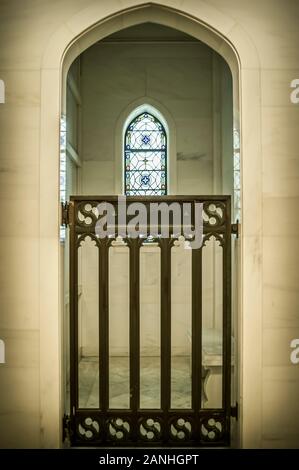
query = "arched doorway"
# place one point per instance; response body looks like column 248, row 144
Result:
column 91, row 36
column 124, row 366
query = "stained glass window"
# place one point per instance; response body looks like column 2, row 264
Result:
column 145, row 157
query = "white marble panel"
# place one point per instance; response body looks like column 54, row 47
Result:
column 26, row 33
column 16, row 212
column 280, row 144
column 280, row 404
column 50, row 299
column 280, row 262
column 25, row 430
column 20, row 390
column 279, row 217
column 251, row 334
column 19, row 291
column 251, row 154
column 19, row 142
column 89, row 10
column 273, row 30
column 222, row 20
column 280, row 307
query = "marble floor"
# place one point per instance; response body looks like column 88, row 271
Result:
column 119, row 394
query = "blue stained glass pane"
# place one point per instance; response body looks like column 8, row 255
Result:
column 145, row 180
column 146, row 139
column 145, row 157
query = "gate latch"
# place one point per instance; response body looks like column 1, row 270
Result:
column 235, row 229
column 234, row 411
column 66, row 428
column 65, row 213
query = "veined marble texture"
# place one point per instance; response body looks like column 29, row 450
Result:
column 119, row 395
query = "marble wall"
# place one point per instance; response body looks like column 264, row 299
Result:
column 35, row 36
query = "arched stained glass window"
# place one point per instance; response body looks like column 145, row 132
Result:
column 145, row 157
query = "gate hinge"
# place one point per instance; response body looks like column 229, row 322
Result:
column 65, row 206
column 66, row 428
column 235, row 229
column 234, row 411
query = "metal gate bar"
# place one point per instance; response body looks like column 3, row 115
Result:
column 74, row 402
column 165, row 314
column 104, row 325
column 226, row 342
column 196, row 329
column 134, row 246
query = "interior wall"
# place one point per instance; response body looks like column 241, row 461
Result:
column 181, row 77
column 263, row 36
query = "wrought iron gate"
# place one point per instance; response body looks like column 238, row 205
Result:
column 136, row 425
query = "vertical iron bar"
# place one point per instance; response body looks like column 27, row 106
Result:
column 134, row 324
column 104, row 324
column 165, row 246
column 226, row 273
column 73, row 254
column 196, row 328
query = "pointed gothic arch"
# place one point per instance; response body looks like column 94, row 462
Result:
column 227, row 37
